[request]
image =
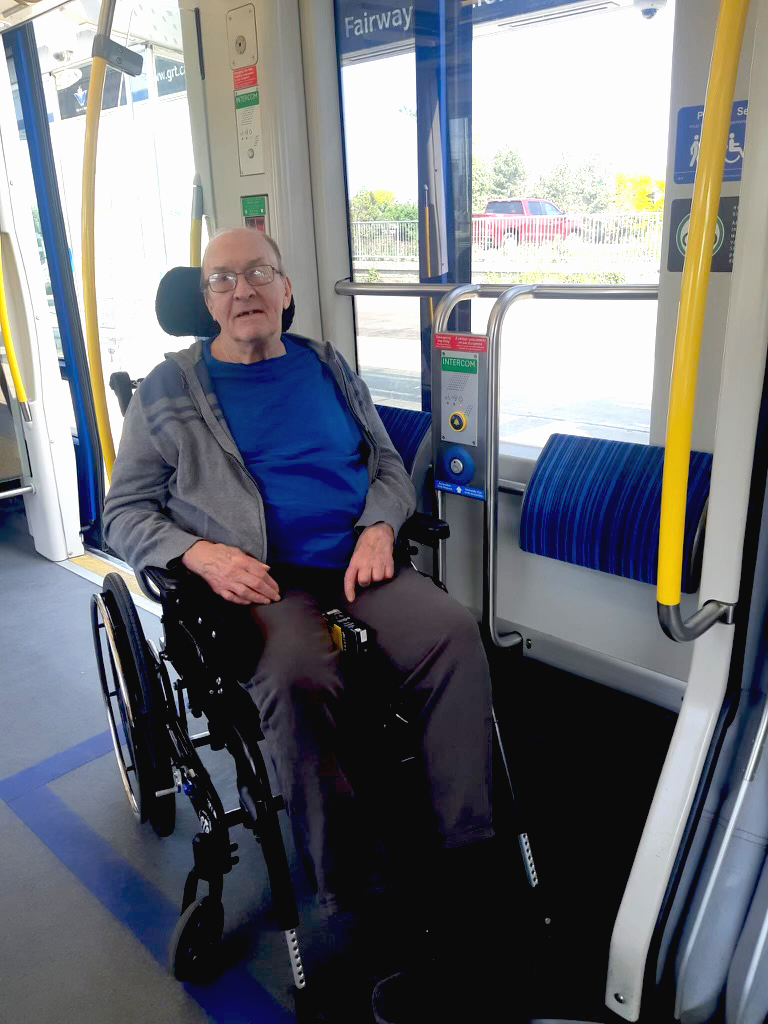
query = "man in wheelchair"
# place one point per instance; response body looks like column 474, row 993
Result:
column 257, row 461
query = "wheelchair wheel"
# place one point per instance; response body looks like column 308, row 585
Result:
column 132, row 685
column 193, row 954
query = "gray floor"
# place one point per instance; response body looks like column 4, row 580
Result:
column 88, row 897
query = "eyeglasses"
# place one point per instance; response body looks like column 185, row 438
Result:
column 226, row 281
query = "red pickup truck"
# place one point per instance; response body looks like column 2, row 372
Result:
column 506, row 223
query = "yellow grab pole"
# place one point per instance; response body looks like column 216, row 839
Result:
column 196, row 227
column 92, row 114
column 693, row 293
column 13, row 365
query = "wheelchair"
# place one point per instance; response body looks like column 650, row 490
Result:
column 157, row 755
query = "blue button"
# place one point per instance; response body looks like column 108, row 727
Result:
column 457, row 465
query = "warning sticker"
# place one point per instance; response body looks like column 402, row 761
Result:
column 244, row 78
column 462, row 342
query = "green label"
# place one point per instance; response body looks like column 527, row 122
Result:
column 451, row 363
column 253, row 206
column 247, row 99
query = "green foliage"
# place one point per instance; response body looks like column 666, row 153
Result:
column 380, row 204
column 638, row 192
column 498, row 177
column 577, row 187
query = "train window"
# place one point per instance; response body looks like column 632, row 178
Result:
column 379, row 116
column 566, row 189
column 586, row 167
column 581, row 368
column 389, row 350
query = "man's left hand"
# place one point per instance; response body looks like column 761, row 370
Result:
column 372, row 560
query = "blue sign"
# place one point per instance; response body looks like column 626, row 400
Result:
column 469, row 492
column 382, row 24
column 688, row 142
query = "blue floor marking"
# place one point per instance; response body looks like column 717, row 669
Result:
column 54, row 767
column 235, row 997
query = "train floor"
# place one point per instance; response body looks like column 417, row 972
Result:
column 89, row 898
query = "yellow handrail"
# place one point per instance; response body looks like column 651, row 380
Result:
column 13, row 365
column 92, row 115
column 693, row 294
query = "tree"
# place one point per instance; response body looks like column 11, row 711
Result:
column 497, row 177
column 380, row 204
column 639, row 192
column 577, row 188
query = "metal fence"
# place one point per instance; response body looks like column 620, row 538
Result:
column 608, row 238
column 385, row 240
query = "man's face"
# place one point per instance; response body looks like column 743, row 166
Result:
column 247, row 313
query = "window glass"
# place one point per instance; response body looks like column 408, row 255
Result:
column 510, row 206
column 379, row 115
column 389, row 349
column 592, row 162
column 581, row 368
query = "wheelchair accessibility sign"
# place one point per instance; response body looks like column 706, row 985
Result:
column 688, row 143
column 722, row 243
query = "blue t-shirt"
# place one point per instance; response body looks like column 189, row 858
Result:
column 303, row 448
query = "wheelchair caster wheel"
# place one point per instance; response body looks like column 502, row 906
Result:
column 196, row 940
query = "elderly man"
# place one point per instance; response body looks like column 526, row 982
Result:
column 258, row 461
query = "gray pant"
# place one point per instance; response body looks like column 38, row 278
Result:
column 352, row 818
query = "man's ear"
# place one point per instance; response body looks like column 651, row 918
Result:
column 287, row 293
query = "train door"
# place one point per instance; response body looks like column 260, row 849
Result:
column 145, row 176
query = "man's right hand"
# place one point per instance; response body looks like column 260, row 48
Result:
column 231, row 574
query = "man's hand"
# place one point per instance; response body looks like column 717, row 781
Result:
column 372, row 560
column 231, row 574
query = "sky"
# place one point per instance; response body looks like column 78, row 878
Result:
column 597, row 83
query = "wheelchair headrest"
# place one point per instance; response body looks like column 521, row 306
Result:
column 181, row 309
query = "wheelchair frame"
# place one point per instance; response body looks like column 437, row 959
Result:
column 160, row 756
column 157, row 756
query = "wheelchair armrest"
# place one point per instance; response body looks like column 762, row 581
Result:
column 425, row 529
column 162, row 583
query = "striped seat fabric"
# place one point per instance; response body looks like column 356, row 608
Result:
column 407, row 429
column 597, row 503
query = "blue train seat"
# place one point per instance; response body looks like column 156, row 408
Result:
column 597, row 503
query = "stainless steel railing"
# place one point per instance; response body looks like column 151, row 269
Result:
column 506, row 296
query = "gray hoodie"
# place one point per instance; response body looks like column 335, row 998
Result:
column 179, row 476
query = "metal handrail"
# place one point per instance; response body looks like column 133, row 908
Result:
column 14, row 492
column 417, row 290
column 495, row 321
column 422, row 289
column 506, row 296
column 196, row 223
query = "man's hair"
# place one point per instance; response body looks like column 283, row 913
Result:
column 262, row 234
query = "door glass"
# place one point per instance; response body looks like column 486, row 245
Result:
column 144, row 172
column 379, row 116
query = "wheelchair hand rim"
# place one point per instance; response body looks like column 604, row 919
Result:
column 100, row 611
